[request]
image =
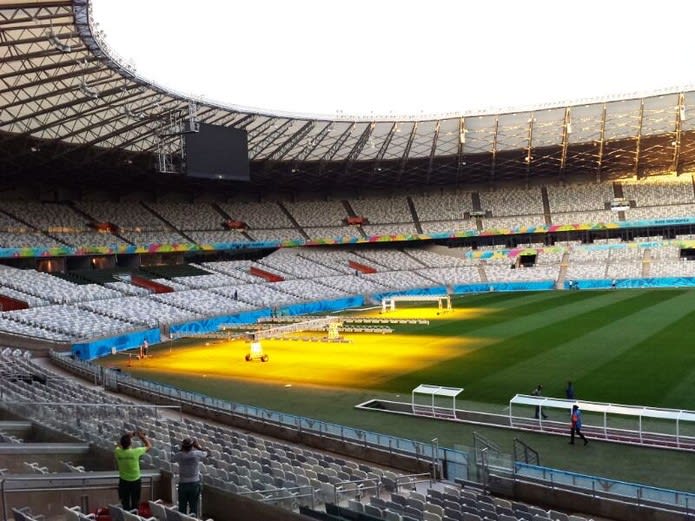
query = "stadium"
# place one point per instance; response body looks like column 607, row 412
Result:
column 360, row 318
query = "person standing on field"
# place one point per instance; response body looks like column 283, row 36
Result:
column 537, row 392
column 576, row 426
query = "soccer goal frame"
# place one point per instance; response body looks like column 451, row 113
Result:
column 389, row 303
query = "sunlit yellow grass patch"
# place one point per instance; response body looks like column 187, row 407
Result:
column 365, row 360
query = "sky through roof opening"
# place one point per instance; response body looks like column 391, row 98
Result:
column 391, row 58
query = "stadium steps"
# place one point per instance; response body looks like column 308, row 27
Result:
column 351, row 213
column 413, row 213
column 482, row 274
column 293, row 220
column 646, row 262
column 414, row 258
column 546, row 205
column 320, row 263
column 227, row 217
column 92, row 219
column 371, row 262
column 562, row 274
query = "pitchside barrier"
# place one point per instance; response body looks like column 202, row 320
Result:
column 629, row 423
column 389, row 303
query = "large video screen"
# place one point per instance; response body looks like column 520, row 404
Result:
column 217, row 152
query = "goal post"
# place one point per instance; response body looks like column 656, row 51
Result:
column 389, row 303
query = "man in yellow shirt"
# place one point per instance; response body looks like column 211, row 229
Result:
column 128, row 462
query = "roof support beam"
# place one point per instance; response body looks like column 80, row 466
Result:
column 529, row 147
column 359, row 146
column 601, row 143
column 406, row 152
column 288, row 144
column 433, row 150
column 493, row 157
column 459, row 151
column 638, row 140
column 382, row 150
column 566, row 131
column 270, row 139
column 313, row 143
column 680, row 118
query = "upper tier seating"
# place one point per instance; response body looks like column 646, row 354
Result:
column 444, row 206
column 383, row 210
column 317, row 213
column 257, row 215
column 189, row 216
column 126, row 215
column 578, row 197
column 512, row 202
column 46, row 216
column 659, row 190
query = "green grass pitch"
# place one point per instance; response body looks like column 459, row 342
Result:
column 619, row 346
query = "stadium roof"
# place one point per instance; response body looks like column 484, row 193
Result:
column 70, row 105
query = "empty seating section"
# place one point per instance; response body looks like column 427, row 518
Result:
column 212, row 280
column 330, row 232
column 209, row 237
column 202, row 302
column 448, row 226
column 265, row 295
column 145, row 238
column 438, row 260
column 292, row 264
column 383, row 210
column 267, row 215
column 659, row 212
column 353, row 284
column 660, row 191
column 317, row 213
column 275, row 234
column 390, row 259
column 138, row 309
column 453, row 275
column 504, row 273
column 69, row 320
column 50, row 288
column 398, row 279
column 189, row 216
column 11, row 326
column 508, row 223
column 128, row 216
column 578, row 198
column 77, row 239
column 442, row 503
column 27, row 240
column 46, row 216
column 64, row 225
column 236, row 269
column 389, row 229
column 445, row 206
column 310, row 289
column 513, row 202
column 36, row 224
